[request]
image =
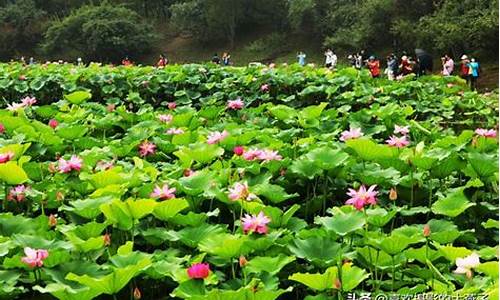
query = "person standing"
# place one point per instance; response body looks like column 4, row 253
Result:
column 216, row 59
column 226, row 59
column 474, row 70
column 352, row 60
column 126, row 61
column 301, row 56
column 373, row 65
column 448, row 65
column 162, row 62
column 464, row 68
column 405, row 66
column 392, row 67
column 359, row 61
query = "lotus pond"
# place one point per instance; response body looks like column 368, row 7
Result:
column 201, row 182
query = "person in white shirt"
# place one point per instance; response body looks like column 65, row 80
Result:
column 328, row 58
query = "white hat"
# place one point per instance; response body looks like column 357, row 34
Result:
column 464, row 57
column 404, row 57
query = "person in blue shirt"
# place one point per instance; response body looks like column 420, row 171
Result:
column 302, row 58
column 474, row 70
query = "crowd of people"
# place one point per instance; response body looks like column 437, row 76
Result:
column 395, row 67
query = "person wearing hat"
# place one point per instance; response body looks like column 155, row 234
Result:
column 464, row 68
column 405, row 66
column 374, row 66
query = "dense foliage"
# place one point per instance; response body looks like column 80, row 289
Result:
column 453, row 26
column 100, row 32
column 202, row 182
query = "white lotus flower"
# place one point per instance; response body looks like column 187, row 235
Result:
column 466, row 264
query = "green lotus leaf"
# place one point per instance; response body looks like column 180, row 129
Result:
column 352, row 276
column 12, row 173
column 72, row 132
column 78, row 97
column 271, row 265
column 327, row 158
column 483, row 164
column 224, row 245
column 317, row 281
column 169, row 208
column 320, row 250
column 489, row 268
column 343, row 223
column 453, row 204
column 112, row 283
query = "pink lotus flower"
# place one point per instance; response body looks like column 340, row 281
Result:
column 235, row 104
column 488, row 133
column 174, row 131
column 216, row 137
column 34, row 257
column 2, row 128
column 240, row 191
column 264, row 87
column 165, row 118
column 199, row 271
column 352, row 133
column 172, row 105
column 111, row 107
column 163, row 193
column 5, row 157
column 404, row 130
column 238, row 150
column 28, row 101
column 255, row 223
column 252, row 154
column 66, row 166
column 22, row 77
column 147, row 148
column 268, row 155
column 362, row 197
column 17, row 193
column 398, row 142
column 466, row 264
column 53, row 123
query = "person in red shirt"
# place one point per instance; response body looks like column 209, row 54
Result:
column 374, row 66
column 162, row 62
column 464, row 68
column 126, row 61
column 406, row 67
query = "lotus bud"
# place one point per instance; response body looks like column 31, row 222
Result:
column 59, row 196
column 2, row 128
column 52, row 168
column 427, row 230
column 53, row 123
column 107, row 239
column 393, row 194
column 111, row 107
column 172, row 105
column 243, row 261
column 337, row 284
column 52, row 220
column 137, row 293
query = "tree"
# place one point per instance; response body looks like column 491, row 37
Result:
column 209, row 20
column 103, row 32
column 21, row 27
